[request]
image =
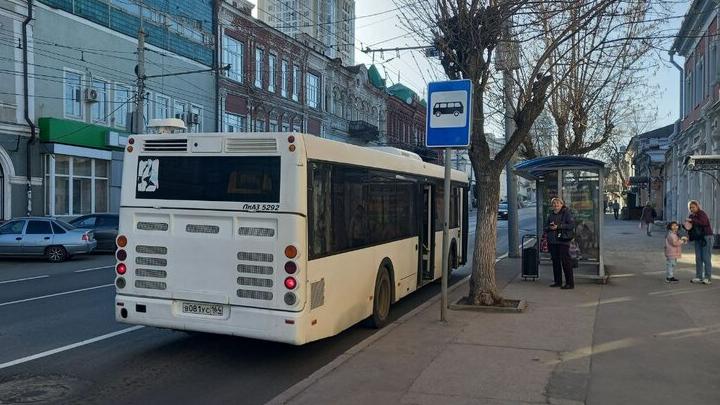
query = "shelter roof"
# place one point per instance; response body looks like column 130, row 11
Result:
column 537, row 168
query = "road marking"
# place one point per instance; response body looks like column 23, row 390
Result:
column 2, row 304
column 93, row 268
column 69, row 347
column 23, row 279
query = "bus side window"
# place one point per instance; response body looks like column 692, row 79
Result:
column 320, row 214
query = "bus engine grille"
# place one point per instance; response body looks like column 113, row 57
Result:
column 255, row 282
column 151, row 261
column 255, row 257
column 268, row 145
column 151, row 273
column 317, row 294
column 253, row 269
column 152, row 226
column 256, row 295
column 261, row 232
column 151, row 250
column 152, row 285
column 190, row 228
column 165, row 145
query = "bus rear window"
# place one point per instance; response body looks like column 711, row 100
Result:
column 209, row 178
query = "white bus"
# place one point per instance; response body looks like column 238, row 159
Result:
column 277, row 236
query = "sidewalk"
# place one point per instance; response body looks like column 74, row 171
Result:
column 636, row 340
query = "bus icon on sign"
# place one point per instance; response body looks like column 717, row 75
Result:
column 452, row 107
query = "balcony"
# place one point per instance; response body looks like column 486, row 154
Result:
column 364, row 131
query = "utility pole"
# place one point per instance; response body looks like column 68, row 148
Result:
column 508, row 90
column 138, row 117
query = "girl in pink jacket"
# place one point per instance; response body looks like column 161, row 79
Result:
column 673, row 250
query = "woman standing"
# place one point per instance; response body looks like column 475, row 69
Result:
column 560, row 227
column 700, row 231
column 647, row 217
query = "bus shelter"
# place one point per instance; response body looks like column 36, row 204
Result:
column 579, row 182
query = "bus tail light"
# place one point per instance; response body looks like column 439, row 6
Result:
column 290, row 267
column 121, row 254
column 121, row 269
column 290, row 283
column 290, row 298
column 121, row 241
column 291, row 252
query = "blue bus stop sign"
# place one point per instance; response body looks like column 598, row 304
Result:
column 449, row 114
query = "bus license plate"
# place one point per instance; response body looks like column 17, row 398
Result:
column 202, row 309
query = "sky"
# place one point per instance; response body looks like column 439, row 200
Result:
column 414, row 70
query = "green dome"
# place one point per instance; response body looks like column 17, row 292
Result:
column 375, row 78
column 402, row 92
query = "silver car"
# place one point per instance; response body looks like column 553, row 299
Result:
column 38, row 236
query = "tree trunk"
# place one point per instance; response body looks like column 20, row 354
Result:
column 483, row 288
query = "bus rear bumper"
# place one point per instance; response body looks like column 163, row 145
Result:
column 253, row 323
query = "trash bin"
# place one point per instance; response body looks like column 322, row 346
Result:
column 530, row 258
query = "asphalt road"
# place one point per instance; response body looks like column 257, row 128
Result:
column 50, row 315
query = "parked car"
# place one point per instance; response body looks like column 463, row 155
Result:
column 502, row 211
column 40, row 236
column 104, row 227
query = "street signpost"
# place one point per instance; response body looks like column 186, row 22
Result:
column 448, row 125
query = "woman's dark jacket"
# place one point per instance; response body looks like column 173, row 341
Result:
column 564, row 220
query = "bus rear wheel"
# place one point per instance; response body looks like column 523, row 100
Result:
column 381, row 299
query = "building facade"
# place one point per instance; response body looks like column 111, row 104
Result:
column 698, row 132
column 274, row 83
column 331, row 22
column 84, row 58
column 20, row 180
column 356, row 104
column 406, row 123
column 648, row 171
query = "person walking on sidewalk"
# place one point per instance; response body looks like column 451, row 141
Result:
column 647, row 218
column 701, row 233
column 616, row 208
column 560, row 227
column 673, row 251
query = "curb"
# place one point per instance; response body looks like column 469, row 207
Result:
column 304, row 384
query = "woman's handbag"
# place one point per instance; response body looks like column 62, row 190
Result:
column 565, row 235
column 544, row 243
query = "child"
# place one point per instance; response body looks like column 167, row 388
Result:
column 673, row 250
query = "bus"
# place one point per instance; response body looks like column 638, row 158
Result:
column 277, row 236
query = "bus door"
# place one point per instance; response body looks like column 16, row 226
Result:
column 427, row 236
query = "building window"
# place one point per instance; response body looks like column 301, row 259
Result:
column 148, row 114
column 121, row 105
column 271, row 73
column 99, row 107
column 235, row 123
column 312, row 90
column 76, row 185
column 296, row 83
column 712, row 67
column 195, row 118
column 259, row 125
column 162, row 106
column 699, row 81
column 233, row 52
column 259, row 55
column 688, row 94
column 73, row 96
column 284, row 79
column 179, row 109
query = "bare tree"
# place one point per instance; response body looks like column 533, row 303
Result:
column 467, row 34
column 600, row 74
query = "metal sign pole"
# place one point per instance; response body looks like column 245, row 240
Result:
column 448, row 125
column 446, row 237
